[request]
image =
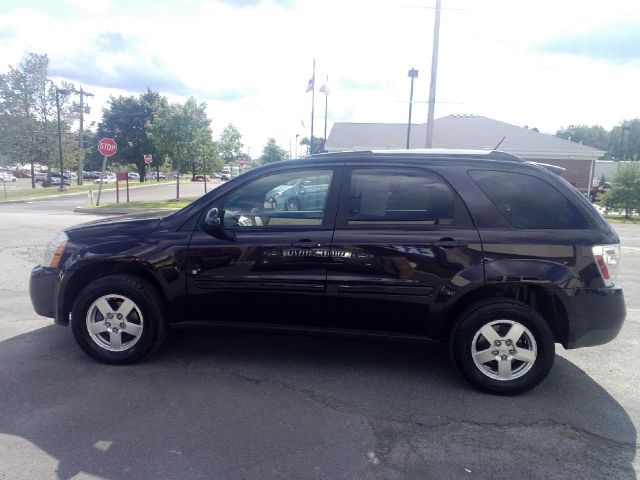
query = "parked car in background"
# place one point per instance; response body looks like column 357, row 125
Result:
column 303, row 194
column 108, row 178
column 201, row 178
column 445, row 245
column 7, row 177
column 40, row 176
column 21, row 174
column 53, row 180
column 133, row 175
column 90, row 175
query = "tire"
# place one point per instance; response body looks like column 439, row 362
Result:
column 292, row 206
column 97, row 323
column 514, row 361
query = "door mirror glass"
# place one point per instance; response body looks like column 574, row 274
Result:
column 213, row 218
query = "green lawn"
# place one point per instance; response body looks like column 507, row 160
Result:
column 20, row 191
column 173, row 203
column 622, row 219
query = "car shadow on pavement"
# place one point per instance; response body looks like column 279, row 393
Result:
column 220, row 404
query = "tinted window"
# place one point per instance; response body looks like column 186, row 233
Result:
column 528, row 202
column 282, row 199
column 383, row 196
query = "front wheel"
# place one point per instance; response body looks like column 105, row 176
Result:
column 118, row 319
column 502, row 347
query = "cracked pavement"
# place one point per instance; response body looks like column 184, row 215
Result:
column 229, row 405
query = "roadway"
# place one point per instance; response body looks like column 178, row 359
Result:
column 232, row 405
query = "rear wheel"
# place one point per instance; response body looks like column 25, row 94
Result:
column 503, row 347
column 118, row 319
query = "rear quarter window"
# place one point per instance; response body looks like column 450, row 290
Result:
column 528, row 202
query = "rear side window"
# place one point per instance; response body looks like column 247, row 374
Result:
column 389, row 197
column 526, row 201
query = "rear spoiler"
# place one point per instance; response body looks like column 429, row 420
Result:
column 552, row 168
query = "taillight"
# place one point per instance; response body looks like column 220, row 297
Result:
column 607, row 258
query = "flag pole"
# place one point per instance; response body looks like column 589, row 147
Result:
column 313, row 102
column 326, row 104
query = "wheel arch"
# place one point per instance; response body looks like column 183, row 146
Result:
column 82, row 276
column 544, row 301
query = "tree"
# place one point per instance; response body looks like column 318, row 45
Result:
column 594, row 136
column 28, row 130
column 272, row 152
column 625, row 193
column 126, row 120
column 229, row 144
column 624, row 140
column 182, row 133
column 318, row 144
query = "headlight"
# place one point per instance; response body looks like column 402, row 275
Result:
column 54, row 250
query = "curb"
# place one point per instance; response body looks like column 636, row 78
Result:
column 119, row 211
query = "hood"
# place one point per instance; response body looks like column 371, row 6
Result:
column 130, row 224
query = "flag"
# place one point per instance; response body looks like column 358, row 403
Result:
column 310, row 85
column 325, row 89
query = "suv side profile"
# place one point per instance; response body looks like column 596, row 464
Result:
column 500, row 257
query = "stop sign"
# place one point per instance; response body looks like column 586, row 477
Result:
column 107, row 147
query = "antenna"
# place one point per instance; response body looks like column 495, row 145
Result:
column 500, row 143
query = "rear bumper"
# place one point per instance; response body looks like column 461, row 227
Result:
column 42, row 288
column 596, row 316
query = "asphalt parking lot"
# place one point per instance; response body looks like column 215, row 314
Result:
column 229, row 405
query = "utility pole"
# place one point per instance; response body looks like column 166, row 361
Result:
column 434, row 74
column 81, row 135
column 58, row 92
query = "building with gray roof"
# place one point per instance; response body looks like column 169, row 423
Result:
column 472, row 132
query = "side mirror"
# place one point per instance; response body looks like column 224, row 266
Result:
column 212, row 219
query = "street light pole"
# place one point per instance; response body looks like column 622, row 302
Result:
column 413, row 74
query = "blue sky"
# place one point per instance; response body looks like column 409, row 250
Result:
column 546, row 63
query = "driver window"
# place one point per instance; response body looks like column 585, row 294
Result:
column 283, row 199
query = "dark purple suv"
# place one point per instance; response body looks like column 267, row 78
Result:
column 500, row 257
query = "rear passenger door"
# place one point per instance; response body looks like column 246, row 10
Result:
column 402, row 236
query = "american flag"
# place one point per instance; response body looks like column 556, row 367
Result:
column 310, row 85
column 325, row 89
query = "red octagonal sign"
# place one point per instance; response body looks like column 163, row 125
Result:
column 107, row 147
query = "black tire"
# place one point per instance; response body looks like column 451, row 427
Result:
column 146, row 320
column 536, row 342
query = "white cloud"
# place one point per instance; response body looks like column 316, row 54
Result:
column 94, row 7
column 251, row 64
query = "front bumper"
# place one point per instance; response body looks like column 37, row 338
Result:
column 42, row 290
column 596, row 316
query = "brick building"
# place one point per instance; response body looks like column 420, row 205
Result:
column 472, row 132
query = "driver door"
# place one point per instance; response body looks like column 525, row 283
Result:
column 264, row 263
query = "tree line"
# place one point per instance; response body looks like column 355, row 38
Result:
column 177, row 135
column 622, row 142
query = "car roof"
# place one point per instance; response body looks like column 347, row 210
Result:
column 420, row 155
